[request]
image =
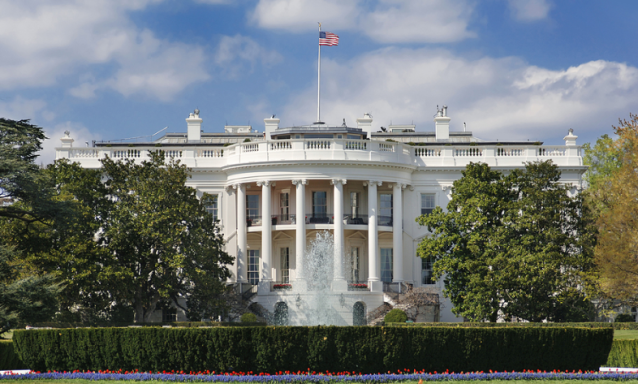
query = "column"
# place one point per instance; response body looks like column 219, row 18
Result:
column 374, row 264
column 300, row 226
column 397, row 233
column 266, row 237
column 339, row 280
column 242, row 244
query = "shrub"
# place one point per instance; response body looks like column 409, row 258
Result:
column 625, row 318
column 395, row 316
column 273, row 349
column 246, row 140
column 248, row 318
column 9, row 360
column 624, row 353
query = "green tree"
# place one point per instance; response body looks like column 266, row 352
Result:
column 617, row 248
column 512, row 245
column 24, row 296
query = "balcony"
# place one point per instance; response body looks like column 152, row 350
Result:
column 319, row 218
column 429, row 155
column 253, row 221
column 355, row 219
column 283, row 219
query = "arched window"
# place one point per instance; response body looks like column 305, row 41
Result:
column 359, row 314
column 281, row 313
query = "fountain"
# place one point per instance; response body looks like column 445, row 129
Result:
column 315, row 301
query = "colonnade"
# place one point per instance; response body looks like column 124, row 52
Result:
column 339, row 280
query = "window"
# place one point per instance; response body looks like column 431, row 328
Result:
column 212, row 207
column 426, row 270
column 427, row 203
column 253, row 266
column 252, row 206
column 359, row 314
column 284, row 206
column 354, row 264
column 285, row 265
column 339, row 136
column 319, row 136
column 386, row 265
column 354, row 137
column 320, row 204
column 385, row 210
column 169, row 315
column 354, row 204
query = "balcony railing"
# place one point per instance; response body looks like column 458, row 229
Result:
column 384, row 220
column 356, row 219
column 450, row 154
column 319, row 218
column 358, row 286
column 283, row 219
column 252, row 221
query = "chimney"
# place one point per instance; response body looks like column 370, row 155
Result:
column 194, row 124
column 442, row 124
column 570, row 139
column 365, row 124
column 272, row 124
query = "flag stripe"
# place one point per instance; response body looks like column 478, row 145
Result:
column 328, row 38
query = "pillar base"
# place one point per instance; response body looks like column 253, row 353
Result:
column 263, row 288
column 339, row 285
column 375, row 286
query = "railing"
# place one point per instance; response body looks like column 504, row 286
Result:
column 283, row 219
column 318, row 144
column 384, row 221
column 356, row 219
column 356, row 145
column 394, row 287
column 319, row 218
column 509, row 151
column 386, row 147
column 209, row 153
column 253, row 221
column 449, row 154
column 468, row 152
column 280, row 145
column 85, row 153
column 427, row 152
column 550, row 151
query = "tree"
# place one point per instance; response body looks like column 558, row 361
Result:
column 24, row 296
column 510, row 245
column 142, row 238
column 617, row 249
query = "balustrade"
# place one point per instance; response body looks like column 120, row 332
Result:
column 318, row 144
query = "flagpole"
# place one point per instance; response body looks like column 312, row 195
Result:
column 319, row 80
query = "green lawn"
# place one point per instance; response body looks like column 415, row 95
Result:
column 625, row 335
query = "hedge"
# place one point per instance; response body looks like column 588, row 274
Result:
column 8, row 358
column 272, row 349
column 186, row 324
column 623, row 353
column 616, row 326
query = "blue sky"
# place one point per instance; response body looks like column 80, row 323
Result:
column 510, row 69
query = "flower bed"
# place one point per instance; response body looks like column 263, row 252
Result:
column 326, row 377
column 282, row 286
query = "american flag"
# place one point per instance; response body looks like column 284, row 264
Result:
column 328, row 38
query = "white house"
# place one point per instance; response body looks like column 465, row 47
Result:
column 274, row 190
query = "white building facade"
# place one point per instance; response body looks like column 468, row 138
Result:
column 273, row 191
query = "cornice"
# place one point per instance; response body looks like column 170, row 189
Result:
column 320, row 163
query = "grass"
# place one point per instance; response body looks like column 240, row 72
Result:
column 625, row 335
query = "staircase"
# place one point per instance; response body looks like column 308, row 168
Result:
column 420, row 304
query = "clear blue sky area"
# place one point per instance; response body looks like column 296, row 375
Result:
column 510, row 69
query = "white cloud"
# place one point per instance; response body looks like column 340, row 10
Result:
column 529, row 10
column 498, row 98
column 80, row 134
column 234, row 51
column 25, row 109
column 42, row 42
column 390, row 21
